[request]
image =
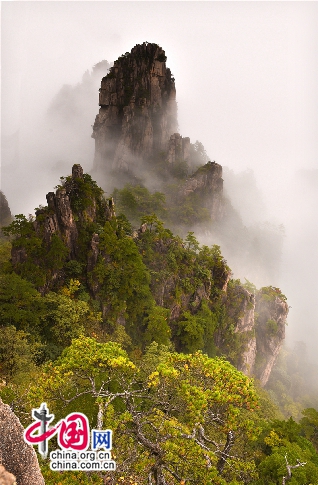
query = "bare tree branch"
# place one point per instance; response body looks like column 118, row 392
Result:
column 225, row 452
column 290, row 468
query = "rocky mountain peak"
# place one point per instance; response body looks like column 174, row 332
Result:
column 136, row 135
column 138, row 111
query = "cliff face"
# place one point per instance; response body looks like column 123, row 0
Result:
column 138, row 109
column 59, row 218
column 178, row 149
column 240, row 327
column 272, row 310
column 63, row 229
column 255, row 327
column 208, row 183
column 136, row 138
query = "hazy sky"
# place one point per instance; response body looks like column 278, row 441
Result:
column 246, row 72
column 246, row 78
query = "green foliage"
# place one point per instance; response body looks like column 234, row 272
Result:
column 5, row 253
column 191, row 332
column 292, row 383
column 124, row 228
column 57, row 253
column 198, row 155
column 25, row 239
column 271, row 327
column 159, row 292
column 268, row 410
column 73, row 268
column 282, row 439
column 182, row 271
column 65, row 318
column 39, row 261
column 86, row 368
column 19, row 228
column 210, row 259
column 16, row 354
column 191, row 242
column 179, row 169
column 19, row 357
column 250, row 286
column 5, row 213
column 154, row 224
column 189, row 211
column 20, row 304
column 196, row 332
column 136, row 201
column 157, row 326
column 269, row 293
column 82, row 192
column 233, row 342
column 309, row 425
column 172, row 406
column 179, row 210
column 122, row 278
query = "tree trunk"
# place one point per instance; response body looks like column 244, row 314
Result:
column 100, row 415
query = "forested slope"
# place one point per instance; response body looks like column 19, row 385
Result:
column 147, row 334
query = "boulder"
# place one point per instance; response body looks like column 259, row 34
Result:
column 16, row 455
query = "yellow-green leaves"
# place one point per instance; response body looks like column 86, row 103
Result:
column 171, row 412
column 87, row 367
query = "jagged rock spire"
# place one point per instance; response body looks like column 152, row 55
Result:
column 138, row 111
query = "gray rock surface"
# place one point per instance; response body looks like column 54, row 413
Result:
column 272, row 313
column 138, row 110
column 207, row 181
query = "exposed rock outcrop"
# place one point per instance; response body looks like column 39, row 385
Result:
column 272, row 310
column 138, row 109
column 16, row 456
column 240, row 307
column 60, row 220
column 60, row 216
column 72, row 214
column 254, row 327
column 208, row 183
column 178, row 148
column 5, row 213
column 136, row 134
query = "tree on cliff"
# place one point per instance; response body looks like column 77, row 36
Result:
column 5, row 213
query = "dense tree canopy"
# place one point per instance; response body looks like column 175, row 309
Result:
column 137, row 328
column 179, row 417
